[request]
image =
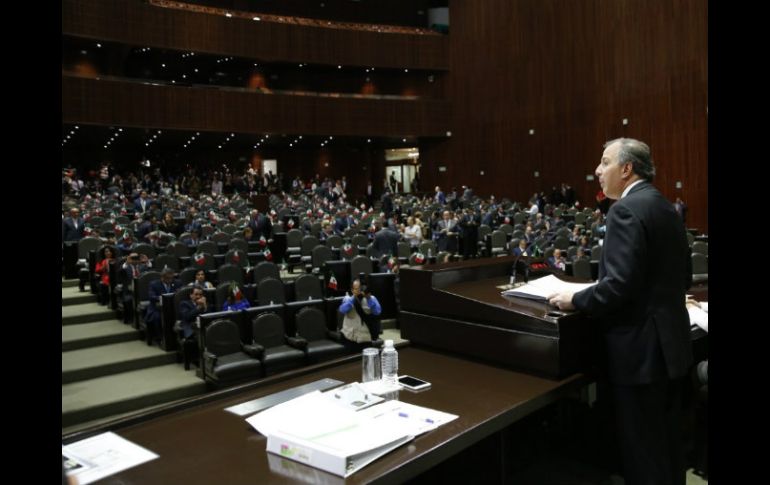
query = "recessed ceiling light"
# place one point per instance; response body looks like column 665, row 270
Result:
column 98, row 45
column 257, row 19
column 163, row 65
column 228, row 15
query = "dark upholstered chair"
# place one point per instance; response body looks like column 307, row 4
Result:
column 270, row 291
column 311, row 326
column 266, row 269
column 277, row 351
column 224, row 356
column 307, row 287
column 581, row 268
column 230, row 272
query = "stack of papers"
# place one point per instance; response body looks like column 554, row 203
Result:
column 102, row 455
column 315, row 430
column 542, row 288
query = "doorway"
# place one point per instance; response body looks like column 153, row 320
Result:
column 402, row 168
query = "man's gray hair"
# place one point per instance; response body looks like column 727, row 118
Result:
column 636, row 153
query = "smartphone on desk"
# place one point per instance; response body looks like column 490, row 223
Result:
column 413, row 383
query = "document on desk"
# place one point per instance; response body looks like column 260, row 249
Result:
column 102, row 455
column 699, row 315
column 312, row 429
column 541, row 288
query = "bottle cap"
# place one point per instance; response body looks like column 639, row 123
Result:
column 388, row 343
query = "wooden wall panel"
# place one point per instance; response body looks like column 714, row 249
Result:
column 572, row 70
column 137, row 23
column 127, row 103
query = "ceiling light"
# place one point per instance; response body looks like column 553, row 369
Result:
column 220, row 146
column 98, row 45
column 162, row 65
column 257, row 19
column 228, row 15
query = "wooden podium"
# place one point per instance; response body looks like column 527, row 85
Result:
column 458, row 307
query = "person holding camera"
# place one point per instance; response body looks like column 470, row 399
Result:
column 361, row 322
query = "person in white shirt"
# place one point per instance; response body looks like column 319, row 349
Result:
column 412, row 232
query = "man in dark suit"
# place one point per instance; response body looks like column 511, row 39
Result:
column 639, row 299
column 142, row 203
column 166, row 284
column 72, row 227
column 385, row 240
column 260, row 226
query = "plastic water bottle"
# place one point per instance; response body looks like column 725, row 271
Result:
column 389, row 364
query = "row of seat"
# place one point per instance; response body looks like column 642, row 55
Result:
column 255, row 343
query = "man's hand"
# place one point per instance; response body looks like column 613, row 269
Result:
column 563, row 301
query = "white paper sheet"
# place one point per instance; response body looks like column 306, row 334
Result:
column 102, row 455
column 541, row 288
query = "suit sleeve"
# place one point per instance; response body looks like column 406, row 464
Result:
column 624, row 255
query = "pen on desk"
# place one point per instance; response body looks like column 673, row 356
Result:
column 428, row 420
column 403, row 415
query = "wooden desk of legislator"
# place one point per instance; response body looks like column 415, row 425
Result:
column 201, row 443
column 457, row 307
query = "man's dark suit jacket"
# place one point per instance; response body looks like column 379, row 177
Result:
column 644, row 273
column 155, row 290
column 260, row 226
column 69, row 233
column 385, row 242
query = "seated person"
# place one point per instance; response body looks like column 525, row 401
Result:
column 190, row 309
column 194, row 240
column 361, row 323
column 522, row 249
column 580, row 254
column 200, row 280
column 166, row 284
column 557, row 261
column 235, row 300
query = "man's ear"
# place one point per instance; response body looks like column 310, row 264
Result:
column 626, row 170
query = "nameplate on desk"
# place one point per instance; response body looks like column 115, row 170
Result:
column 259, row 404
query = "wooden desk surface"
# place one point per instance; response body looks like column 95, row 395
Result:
column 206, row 444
